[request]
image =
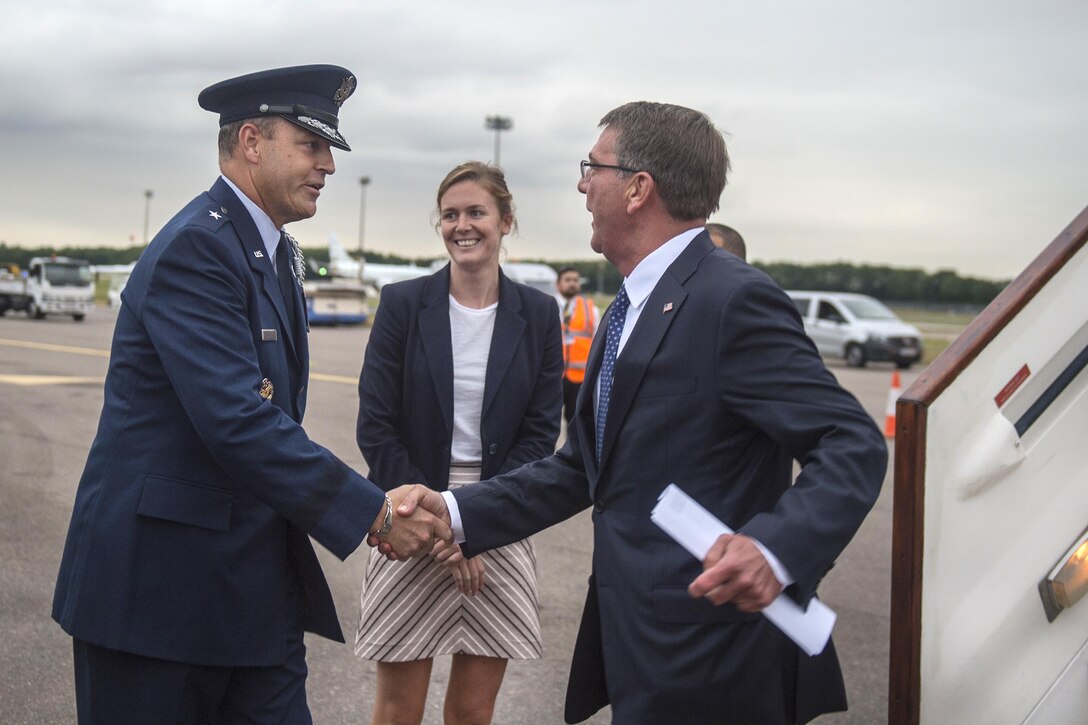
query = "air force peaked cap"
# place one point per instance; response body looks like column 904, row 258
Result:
column 306, row 95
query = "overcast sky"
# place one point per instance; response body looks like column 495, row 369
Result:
column 941, row 135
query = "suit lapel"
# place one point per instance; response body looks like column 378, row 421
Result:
column 434, row 331
column 257, row 256
column 661, row 308
column 509, row 325
column 637, row 353
column 297, row 323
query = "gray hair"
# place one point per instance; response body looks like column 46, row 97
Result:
column 679, row 147
column 228, row 134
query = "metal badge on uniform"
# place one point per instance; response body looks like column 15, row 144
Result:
column 266, row 389
column 269, row 335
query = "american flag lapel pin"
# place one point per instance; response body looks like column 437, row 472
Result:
column 666, row 308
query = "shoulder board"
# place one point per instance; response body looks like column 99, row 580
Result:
column 210, row 216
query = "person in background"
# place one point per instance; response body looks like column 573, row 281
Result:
column 188, row 577
column 728, row 239
column 579, row 316
column 460, row 380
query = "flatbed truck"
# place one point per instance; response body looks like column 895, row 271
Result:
column 51, row 285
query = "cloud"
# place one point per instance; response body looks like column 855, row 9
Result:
column 924, row 134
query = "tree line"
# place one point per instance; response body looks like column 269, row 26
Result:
column 891, row 284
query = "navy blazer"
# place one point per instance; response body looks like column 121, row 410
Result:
column 189, row 536
column 405, row 424
column 717, row 390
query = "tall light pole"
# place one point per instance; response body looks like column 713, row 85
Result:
column 498, row 124
column 364, row 181
column 147, row 212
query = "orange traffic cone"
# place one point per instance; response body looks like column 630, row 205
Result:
column 889, row 410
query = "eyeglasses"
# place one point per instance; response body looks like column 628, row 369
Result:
column 585, row 166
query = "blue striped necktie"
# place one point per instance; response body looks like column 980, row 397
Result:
column 616, row 317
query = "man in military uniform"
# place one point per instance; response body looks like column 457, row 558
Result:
column 188, row 577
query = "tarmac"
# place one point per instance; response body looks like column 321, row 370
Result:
column 51, row 374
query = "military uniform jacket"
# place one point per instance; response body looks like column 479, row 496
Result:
column 188, row 540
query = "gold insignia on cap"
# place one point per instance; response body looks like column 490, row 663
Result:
column 344, row 92
column 266, row 389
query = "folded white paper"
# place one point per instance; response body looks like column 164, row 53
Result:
column 696, row 529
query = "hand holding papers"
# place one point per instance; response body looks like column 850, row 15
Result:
column 696, row 529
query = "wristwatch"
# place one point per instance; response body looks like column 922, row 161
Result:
column 387, row 524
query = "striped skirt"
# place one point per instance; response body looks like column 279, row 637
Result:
column 412, row 610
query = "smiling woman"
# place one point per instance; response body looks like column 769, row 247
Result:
column 461, row 382
column 475, row 212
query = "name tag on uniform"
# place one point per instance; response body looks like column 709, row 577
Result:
column 269, row 335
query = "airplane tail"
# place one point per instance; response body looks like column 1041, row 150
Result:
column 337, row 253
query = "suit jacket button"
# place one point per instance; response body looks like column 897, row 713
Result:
column 493, row 448
column 598, row 506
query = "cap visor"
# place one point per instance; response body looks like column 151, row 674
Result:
column 319, row 128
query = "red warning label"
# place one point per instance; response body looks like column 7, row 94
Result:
column 1011, row 387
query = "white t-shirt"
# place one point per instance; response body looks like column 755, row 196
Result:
column 470, row 332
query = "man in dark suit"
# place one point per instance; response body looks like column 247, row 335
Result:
column 188, row 577
column 702, row 376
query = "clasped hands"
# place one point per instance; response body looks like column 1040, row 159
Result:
column 413, row 502
column 736, row 571
column 419, row 522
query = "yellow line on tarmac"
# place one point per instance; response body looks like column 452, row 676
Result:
column 47, row 380
column 55, row 348
column 323, row 377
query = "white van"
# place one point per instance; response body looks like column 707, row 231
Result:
column 857, row 328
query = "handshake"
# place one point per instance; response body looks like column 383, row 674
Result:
column 419, row 519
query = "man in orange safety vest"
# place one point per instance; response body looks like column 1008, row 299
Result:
column 579, row 323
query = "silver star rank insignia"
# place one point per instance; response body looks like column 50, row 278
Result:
column 214, row 214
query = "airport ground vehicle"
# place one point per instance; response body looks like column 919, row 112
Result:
column 336, row 302
column 540, row 276
column 857, row 328
column 52, row 285
column 113, row 295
